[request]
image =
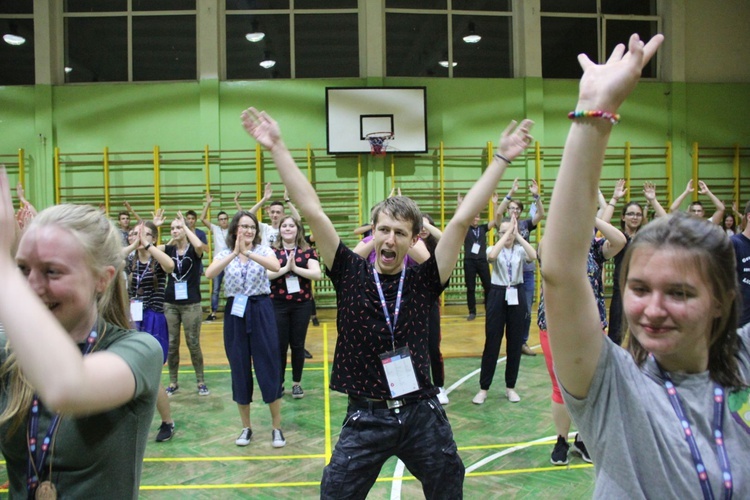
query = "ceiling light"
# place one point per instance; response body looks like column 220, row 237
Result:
column 255, row 35
column 472, row 37
column 445, row 64
column 267, row 62
column 12, row 37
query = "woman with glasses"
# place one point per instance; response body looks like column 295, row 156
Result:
column 631, row 220
column 250, row 334
column 148, row 267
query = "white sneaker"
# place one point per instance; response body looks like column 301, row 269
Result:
column 277, row 439
column 244, row 438
column 512, row 395
column 443, row 397
column 480, row 398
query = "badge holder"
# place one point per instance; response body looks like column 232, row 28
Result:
column 399, row 371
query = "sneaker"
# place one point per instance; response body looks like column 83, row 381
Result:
column 165, row 432
column 203, row 390
column 480, row 398
column 560, row 452
column 211, row 317
column 526, row 350
column 443, row 397
column 307, row 354
column 315, row 321
column 171, row 389
column 580, row 448
column 471, row 317
column 512, row 395
column 297, row 392
column 277, row 439
column 244, row 438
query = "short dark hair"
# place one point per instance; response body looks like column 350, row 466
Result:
column 191, row 212
column 235, row 223
column 221, row 213
column 273, row 203
column 696, row 203
column 123, row 213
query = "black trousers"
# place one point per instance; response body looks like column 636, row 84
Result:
column 472, row 268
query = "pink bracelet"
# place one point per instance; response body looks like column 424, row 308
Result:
column 614, row 118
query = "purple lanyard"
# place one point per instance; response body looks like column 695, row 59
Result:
column 391, row 326
column 721, row 452
column 475, row 230
column 37, row 456
column 139, row 277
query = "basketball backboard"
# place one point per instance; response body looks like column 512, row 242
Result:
column 354, row 112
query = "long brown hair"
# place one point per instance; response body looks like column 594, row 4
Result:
column 713, row 254
column 300, row 242
column 102, row 245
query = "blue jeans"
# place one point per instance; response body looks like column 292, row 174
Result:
column 215, row 292
column 419, row 434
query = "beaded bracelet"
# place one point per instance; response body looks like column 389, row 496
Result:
column 614, row 118
column 501, row 157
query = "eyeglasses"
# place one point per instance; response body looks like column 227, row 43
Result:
column 633, row 214
column 247, row 227
column 514, row 209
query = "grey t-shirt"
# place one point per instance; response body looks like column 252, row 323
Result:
column 628, row 424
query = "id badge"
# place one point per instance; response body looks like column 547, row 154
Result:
column 511, row 296
column 180, row 290
column 239, row 305
column 399, row 372
column 475, row 248
column 292, row 284
column 136, row 310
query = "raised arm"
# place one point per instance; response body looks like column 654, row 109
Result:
column 618, row 193
column 204, row 213
column 135, row 214
column 678, row 201
column 572, row 315
column 503, row 206
column 615, row 239
column 292, row 209
column 512, row 143
column 718, row 215
column 266, row 131
column 237, row 204
column 191, row 236
column 539, row 215
column 649, row 192
column 267, row 193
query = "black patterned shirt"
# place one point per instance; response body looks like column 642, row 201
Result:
column 363, row 333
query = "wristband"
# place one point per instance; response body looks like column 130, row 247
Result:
column 535, row 196
column 508, row 198
column 611, row 204
column 501, row 157
column 147, row 246
column 287, row 200
column 613, row 118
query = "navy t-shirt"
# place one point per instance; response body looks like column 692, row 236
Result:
column 742, row 254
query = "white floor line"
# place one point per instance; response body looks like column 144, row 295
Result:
column 398, row 473
column 508, row 451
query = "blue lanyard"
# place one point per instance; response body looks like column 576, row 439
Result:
column 38, row 455
column 391, row 326
column 508, row 266
column 718, row 433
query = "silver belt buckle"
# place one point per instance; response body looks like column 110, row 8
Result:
column 394, row 403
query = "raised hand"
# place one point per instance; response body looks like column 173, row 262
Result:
column 209, row 198
column 158, row 217
column 702, row 188
column 268, row 191
column 514, row 187
column 127, row 205
column 7, row 218
column 620, row 189
column 605, row 86
column 533, row 187
column 649, row 191
column 494, row 198
column 514, row 139
column 237, row 196
column 261, row 127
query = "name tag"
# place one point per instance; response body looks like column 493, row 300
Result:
column 239, row 305
column 292, row 284
column 511, row 296
column 399, row 372
column 180, row 290
column 475, row 248
column 136, row 310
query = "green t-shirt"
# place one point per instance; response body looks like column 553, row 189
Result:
column 97, row 456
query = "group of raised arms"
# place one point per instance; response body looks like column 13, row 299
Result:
column 664, row 416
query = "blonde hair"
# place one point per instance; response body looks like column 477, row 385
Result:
column 102, row 245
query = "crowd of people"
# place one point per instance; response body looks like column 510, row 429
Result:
column 92, row 310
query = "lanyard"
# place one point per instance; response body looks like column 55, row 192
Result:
column 179, row 260
column 475, row 230
column 38, row 455
column 718, row 433
column 508, row 266
column 139, row 277
column 391, row 326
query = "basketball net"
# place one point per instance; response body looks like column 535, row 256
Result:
column 379, row 142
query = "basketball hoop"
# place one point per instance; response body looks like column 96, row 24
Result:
column 379, row 142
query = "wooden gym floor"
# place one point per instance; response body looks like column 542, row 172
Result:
column 505, row 447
